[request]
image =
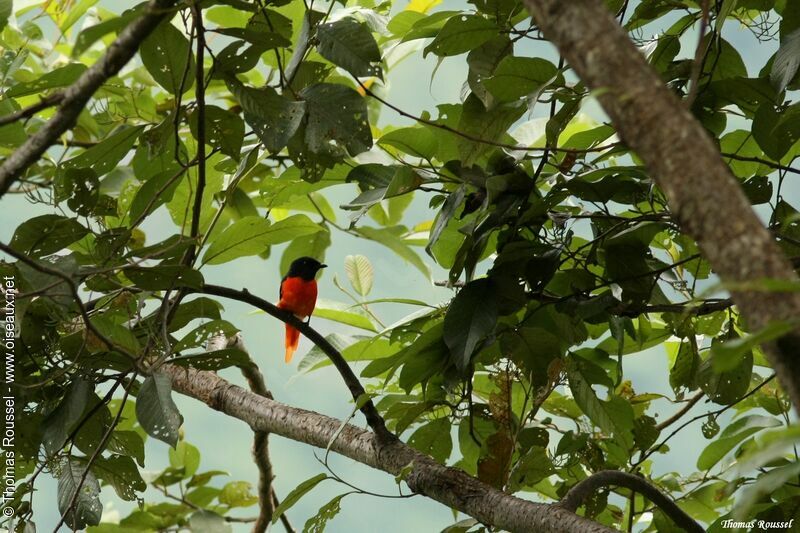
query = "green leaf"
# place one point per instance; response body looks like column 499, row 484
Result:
column 46, row 234
column 60, row 422
column 87, row 509
column 470, row 319
column 185, row 456
column 163, row 277
column 461, row 34
column 199, row 336
column 165, row 53
column 346, row 123
column 128, row 443
column 359, row 272
column 153, row 193
column 733, row 435
column 105, row 156
column 349, row 44
column 516, row 77
column 434, row 439
column 726, row 386
column 252, row 235
column 417, row 142
column 204, row 521
column 344, row 314
column 454, row 199
column 121, row 473
column 684, row 371
column 88, row 36
column 237, row 494
column 297, row 493
column 485, row 124
column 787, row 61
column 76, row 11
column 216, row 360
column 6, row 9
column 60, row 77
column 156, row 412
column 389, row 238
column 317, row 523
column 613, row 417
column 273, row 117
column 224, row 130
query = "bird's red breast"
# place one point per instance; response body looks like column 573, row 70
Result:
column 298, row 296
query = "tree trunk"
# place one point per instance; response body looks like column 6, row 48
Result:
column 703, row 194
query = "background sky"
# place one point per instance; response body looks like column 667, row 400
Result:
column 225, row 442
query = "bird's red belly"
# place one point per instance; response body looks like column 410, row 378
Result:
column 298, row 296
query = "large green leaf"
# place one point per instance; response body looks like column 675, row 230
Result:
column 224, row 130
column 46, row 234
column 203, row 521
column 121, row 473
column 359, row 272
column 60, row 77
column 434, row 439
column 613, row 416
column 725, row 386
column 390, row 238
column 87, row 508
column 167, row 56
column 470, row 319
column 60, row 422
column 252, row 235
column 156, row 412
column 787, row 61
column 346, row 123
column 350, row 45
column 732, row 436
column 273, row 117
column 344, row 314
column 516, row 77
column 297, row 493
column 461, row 34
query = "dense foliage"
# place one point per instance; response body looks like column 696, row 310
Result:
column 562, row 254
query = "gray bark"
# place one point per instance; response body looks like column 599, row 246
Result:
column 75, row 97
column 449, row 486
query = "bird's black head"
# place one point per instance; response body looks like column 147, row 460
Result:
column 305, row 267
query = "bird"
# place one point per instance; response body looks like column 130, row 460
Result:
column 298, row 294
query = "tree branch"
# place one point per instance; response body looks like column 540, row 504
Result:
column 577, row 494
column 374, row 419
column 449, row 486
column 77, row 95
column 686, row 165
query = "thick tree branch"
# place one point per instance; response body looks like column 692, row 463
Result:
column 703, row 195
column 449, row 486
column 76, row 96
column 374, row 419
column 577, row 494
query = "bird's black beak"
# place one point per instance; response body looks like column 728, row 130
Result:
column 323, row 266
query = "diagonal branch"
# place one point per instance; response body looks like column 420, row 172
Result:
column 423, row 475
column 578, row 493
column 374, row 419
column 76, row 96
column 703, row 195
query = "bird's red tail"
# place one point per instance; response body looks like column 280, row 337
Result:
column 292, row 340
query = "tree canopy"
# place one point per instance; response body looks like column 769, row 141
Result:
column 615, row 182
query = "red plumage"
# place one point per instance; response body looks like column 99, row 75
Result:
column 299, row 295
